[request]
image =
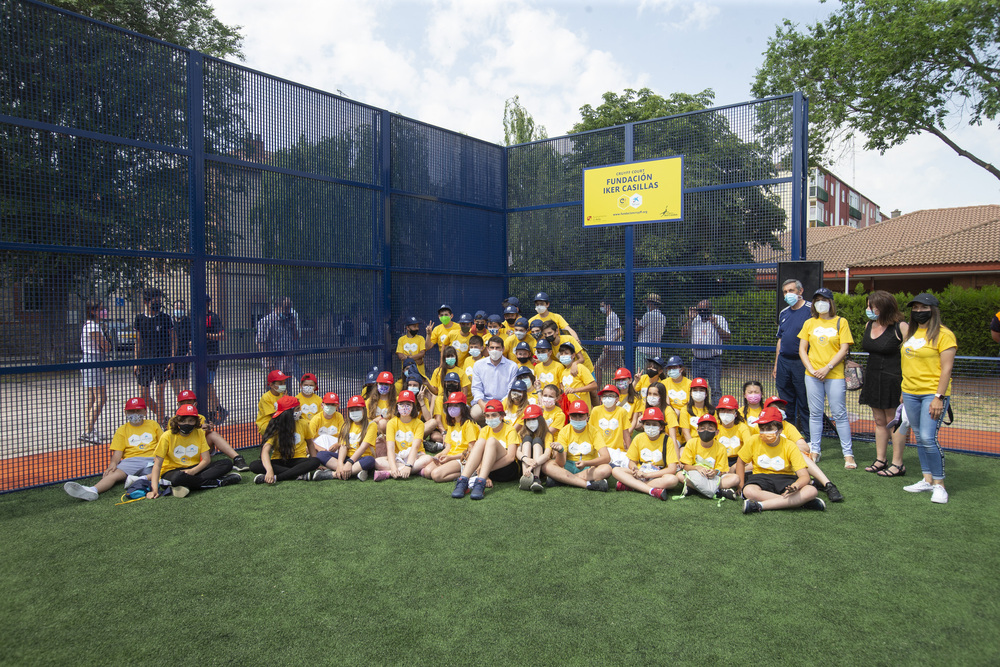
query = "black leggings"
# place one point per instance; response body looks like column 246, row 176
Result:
column 287, row 468
column 214, row 470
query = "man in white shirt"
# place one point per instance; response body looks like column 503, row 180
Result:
column 707, row 328
column 611, row 355
column 649, row 330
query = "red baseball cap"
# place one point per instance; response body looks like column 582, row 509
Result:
column 276, row 376
column 578, row 408
column 774, row 399
column 623, row 374
column 699, row 382
column 610, row 388
column 135, row 404
column 406, row 396
column 285, row 403
column 355, row 402
column 494, row 406
column 385, row 377
column 187, row 411
column 652, row 414
column 706, row 419
column 186, row 395
column 728, row 403
column 331, row 399
column 533, row 412
column 769, row 416
column 456, row 397
column 308, row 376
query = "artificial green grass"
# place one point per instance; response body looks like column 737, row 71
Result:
column 358, row 572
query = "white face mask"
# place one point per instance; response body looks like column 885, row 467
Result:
column 519, row 335
column 543, row 357
column 673, row 373
column 474, row 352
column 135, row 420
column 698, row 395
column 308, row 391
column 578, row 424
column 454, row 411
column 541, row 309
column 404, row 409
column 297, row 414
column 822, row 307
column 652, row 401
column 355, row 415
column 281, row 388
column 652, row 431
column 496, row 354
column 727, row 418
column 622, row 386
column 493, row 422
column 783, row 415
column 532, row 424
column 329, row 410
column 604, row 310
column 414, row 390
column 548, row 401
column 609, row 401
column 565, row 359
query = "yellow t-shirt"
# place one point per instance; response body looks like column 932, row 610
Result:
column 513, row 414
column 442, row 335
column 732, row 438
column 921, row 361
column 466, row 371
column 690, row 421
column 460, row 342
column 504, row 434
column 138, row 440
column 571, row 382
column 411, row 346
column 677, row 392
column 512, row 342
column 585, row 361
column 713, row 456
column 790, row 432
column 459, row 438
column 355, row 439
column 266, row 407
column 612, row 424
column 321, row 425
column 783, row 458
column 751, row 416
column 552, row 317
column 401, row 435
column 583, row 446
column 650, row 452
column 310, row 405
column 550, row 373
column 554, row 418
column 630, row 408
column 301, row 438
column 825, row 338
column 181, row 451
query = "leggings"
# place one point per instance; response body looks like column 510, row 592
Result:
column 214, row 470
column 285, row 469
column 366, row 462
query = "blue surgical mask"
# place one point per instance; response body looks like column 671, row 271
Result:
column 578, row 424
column 872, row 315
column 791, row 298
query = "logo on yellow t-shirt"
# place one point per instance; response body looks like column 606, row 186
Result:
column 776, row 463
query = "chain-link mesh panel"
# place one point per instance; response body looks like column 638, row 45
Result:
column 65, row 70
column 554, row 239
column 438, row 236
column 429, row 160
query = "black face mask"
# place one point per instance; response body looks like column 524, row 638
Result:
column 480, row 325
column 652, row 372
column 185, row 428
column 705, row 314
column 551, row 338
column 523, row 360
column 706, row 436
column 921, row 316
column 510, row 320
column 450, row 388
column 414, row 331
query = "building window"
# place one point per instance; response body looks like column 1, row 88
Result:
column 855, row 200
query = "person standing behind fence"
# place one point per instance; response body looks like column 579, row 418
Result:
column 928, row 357
column 823, row 345
column 707, row 328
column 154, row 337
column 94, row 346
column 883, row 335
column 789, row 374
column 278, row 332
column 649, row 330
column 214, row 333
column 611, row 355
column 180, row 378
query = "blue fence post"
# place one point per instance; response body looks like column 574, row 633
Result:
column 800, row 146
column 628, row 317
column 196, row 189
column 506, row 204
column 385, row 322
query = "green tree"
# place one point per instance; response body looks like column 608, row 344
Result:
column 518, row 125
column 891, row 69
column 633, row 106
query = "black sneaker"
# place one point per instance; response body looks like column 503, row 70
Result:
column 599, row 485
column 231, row 478
column 833, row 493
column 259, row 479
column 239, row 465
column 728, row 494
column 815, row 504
column 536, row 486
column 751, row 507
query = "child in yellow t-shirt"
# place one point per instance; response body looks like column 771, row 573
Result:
column 354, row 452
column 412, row 345
column 614, row 423
column 582, row 458
column 404, row 441
column 577, row 381
column 213, row 437
column 652, row 466
column 441, row 334
column 288, row 451
column 277, row 384
column 753, row 395
column 183, row 460
column 460, row 433
column 491, row 457
column 535, row 449
column 460, row 340
column 706, row 463
column 699, row 403
column 310, row 403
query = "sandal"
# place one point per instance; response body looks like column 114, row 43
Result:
column 889, row 472
column 880, row 464
column 850, row 465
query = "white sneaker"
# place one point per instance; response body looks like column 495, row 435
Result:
column 939, row 495
column 131, row 479
column 922, row 485
column 80, row 491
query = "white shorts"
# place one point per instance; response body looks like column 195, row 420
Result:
column 326, row 441
column 618, row 458
column 136, row 465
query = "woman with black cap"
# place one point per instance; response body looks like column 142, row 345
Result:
column 928, row 355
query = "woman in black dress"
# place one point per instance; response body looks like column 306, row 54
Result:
column 881, row 391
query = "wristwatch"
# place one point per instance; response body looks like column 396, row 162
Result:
column 939, row 396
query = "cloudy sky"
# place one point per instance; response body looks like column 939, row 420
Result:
column 453, row 63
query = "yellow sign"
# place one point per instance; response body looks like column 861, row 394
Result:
column 625, row 194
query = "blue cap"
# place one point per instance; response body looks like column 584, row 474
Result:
column 443, row 306
column 480, row 315
column 513, row 301
column 409, row 361
column 465, row 318
column 543, row 344
column 510, row 310
column 412, row 319
column 536, row 324
column 452, row 376
column 519, row 385
column 370, row 378
column 674, row 360
column 521, row 322
column 495, row 318
column 376, row 370
column 541, row 296
column 567, row 344
column 659, row 361
column 823, row 292
column 522, row 346
column 524, row 371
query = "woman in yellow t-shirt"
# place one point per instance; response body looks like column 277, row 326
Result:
column 460, row 433
column 404, row 442
column 288, row 451
column 652, row 466
column 823, row 344
column 182, row 458
column 535, row 448
column 928, row 356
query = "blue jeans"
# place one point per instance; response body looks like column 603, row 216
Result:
column 790, row 380
column 834, row 391
column 925, row 427
column 709, row 368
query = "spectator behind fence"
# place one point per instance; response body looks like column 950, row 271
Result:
column 279, row 332
column 180, row 377
column 707, row 328
column 995, row 328
column 154, row 337
column 214, row 333
column 94, row 346
column 823, row 344
column 928, row 357
column 789, row 374
column 649, row 330
column 883, row 335
column 611, row 355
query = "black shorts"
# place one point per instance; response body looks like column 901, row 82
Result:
column 508, row 473
column 181, row 372
column 156, row 374
column 771, row 482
